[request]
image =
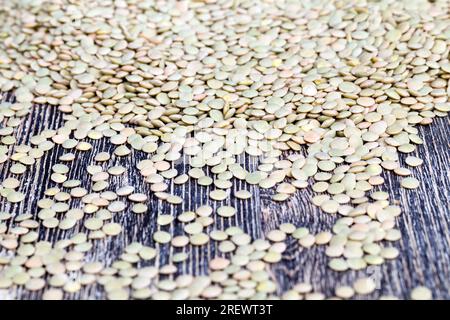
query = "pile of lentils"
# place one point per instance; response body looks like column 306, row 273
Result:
column 323, row 94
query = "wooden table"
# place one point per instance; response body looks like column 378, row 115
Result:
column 424, row 223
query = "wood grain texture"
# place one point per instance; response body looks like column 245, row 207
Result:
column 424, row 223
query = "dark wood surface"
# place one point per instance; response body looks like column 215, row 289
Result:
column 424, row 248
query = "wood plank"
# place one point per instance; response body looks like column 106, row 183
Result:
column 424, row 224
column 424, row 257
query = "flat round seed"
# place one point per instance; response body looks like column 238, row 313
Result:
column 243, row 194
column 365, row 101
column 280, row 197
column 112, row 229
column 193, row 228
column 78, row 192
column 10, row 183
column 93, row 224
column 421, row 293
column 17, row 168
column 323, row 237
column 52, row 294
column 364, row 286
column 187, row 216
column 402, row 171
column 116, row 206
column 287, row 228
column 344, row 292
column 58, row 178
column 338, row 264
column 102, row 156
column 413, row 161
column 307, row 241
column 226, row 211
column 199, row 239
column 67, row 223
column 303, row 287
column 164, row 220
column 15, row 197
column 218, row 195
column 253, row 177
column 348, row 87
column 205, row 181
column 300, row 233
column 116, row 170
column 410, row 183
column 180, row 241
column 389, row 253
column 147, row 253
column 162, row 237
column 204, row 211
column 137, row 197
column 330, row 206
column 35, row 284
column 125, row 191
column 181, row 179
column 272, row 257
column 218, row 235
column 174, row 199
column 406, row 148
column 276, row 235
